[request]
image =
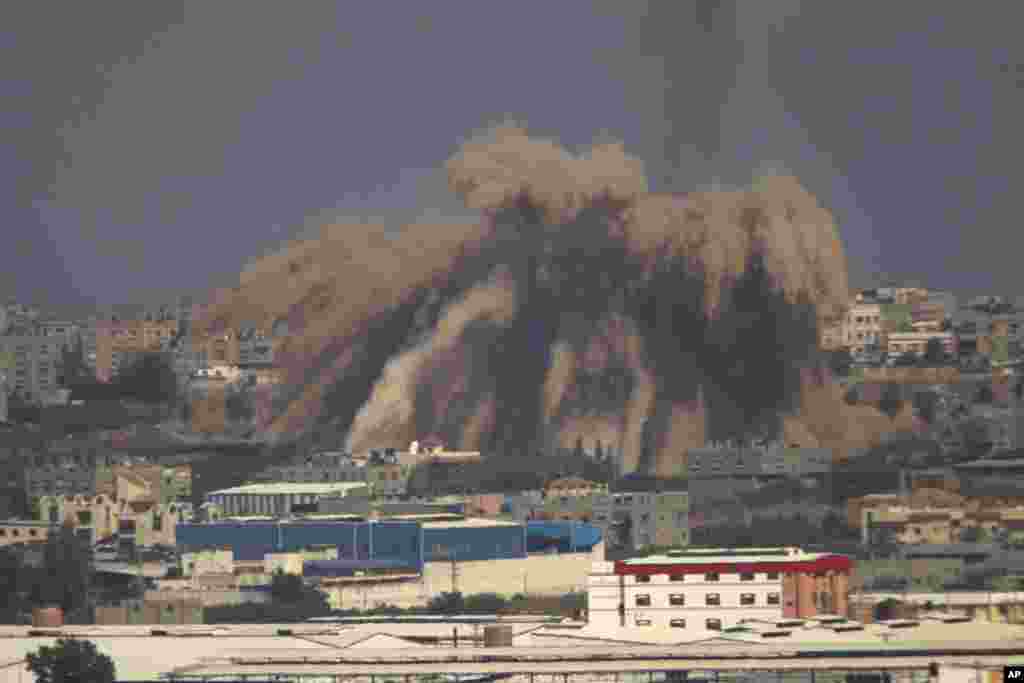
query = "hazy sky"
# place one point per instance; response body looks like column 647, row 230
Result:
column 148, row 148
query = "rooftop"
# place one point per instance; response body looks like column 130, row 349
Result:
column 705, row 555
column 473, row 522
column 285, row 488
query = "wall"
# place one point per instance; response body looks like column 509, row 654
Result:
column 912, row 375
column 536, row 575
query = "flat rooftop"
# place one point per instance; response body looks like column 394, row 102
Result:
column 285, row 488
column 728, row 555
column 473, row 522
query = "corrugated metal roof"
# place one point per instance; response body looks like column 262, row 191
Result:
column 286, row 488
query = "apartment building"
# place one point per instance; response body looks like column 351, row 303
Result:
column 147, row 521
column 35, row 362
column 704, row 591
column 931, row 516
column 325, row 467
column 629, row 520
column 118, row 340
column 863, row 327
column 916, row 342
column 279, row 500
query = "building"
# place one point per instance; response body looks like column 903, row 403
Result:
column 706, row 591
column 146, row 522
column 280, row 500
column 332, row 466
column 117, row 341
column 916, row 342
column 863, row 327
column 35, row 364
column 15, row 532
column 930, row 516
column 409, row 541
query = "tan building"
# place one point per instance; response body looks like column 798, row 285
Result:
column 863, row 327
column 151, row 522
column 929, row 516
column 18, row 532
column 117, row 340
column 917, row 342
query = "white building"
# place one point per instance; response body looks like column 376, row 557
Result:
column 317, row 468
column 702, row 591
column 278, row 500
column 863, row 326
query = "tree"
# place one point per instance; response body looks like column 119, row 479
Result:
column 976, row 435
column 984, row 394
column 934, row 352
column 975, row 534
column 149, row 378
column 66, row 572
column 291, row 591
column 71, row 661
column 891, row 401
column 851, row 397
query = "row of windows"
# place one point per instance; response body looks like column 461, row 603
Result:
column 712, row 577
column 709, row 624
column 710, row 599
column 17, row 532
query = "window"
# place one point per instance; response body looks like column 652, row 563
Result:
column 643, row 579
column 713, row 624
column 747, row 599
column 677, row 577
column 746, row 577
column 713, row 599
column 677, row 599
column 773, row 576
column 677, row 623
column 711, row 576
column 3, row 532
column 643, row 622
column 643, row 600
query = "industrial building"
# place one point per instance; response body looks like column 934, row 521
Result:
column 279, row 500
column 410, row 542
column 710, row 590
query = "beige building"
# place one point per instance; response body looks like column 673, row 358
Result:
column 929, row 516
column 917, row 342
column 18, row 532
column 151, row 522
column 863, row 327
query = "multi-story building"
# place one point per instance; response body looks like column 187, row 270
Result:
column 147, row 521
column 15, row 532
column 703, row 591
column 118, row 340
column 916, row 342
column 332, row 466
column 35, row 364
column 863, row 327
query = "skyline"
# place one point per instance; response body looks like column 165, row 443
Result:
column 136, row 173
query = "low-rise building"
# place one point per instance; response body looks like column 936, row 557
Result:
column 710, row 590
column 15, row 532
column 280, row 500
column 147, row 522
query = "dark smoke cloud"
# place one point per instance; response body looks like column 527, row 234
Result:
column 700, row 310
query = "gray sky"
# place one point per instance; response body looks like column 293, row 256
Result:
column 150, row 148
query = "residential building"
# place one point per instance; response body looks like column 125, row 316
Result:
column 145, row 521
column 985, row 332
column 703, row 591
column 863, row 327
column 928, row 516
column 328, row 466
column 916, row 342
column 280, row 500
column 35, row 364
column 629, row 520
column 15, row 532
column 118, row 340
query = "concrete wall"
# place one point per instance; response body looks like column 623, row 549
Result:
column 535, row 575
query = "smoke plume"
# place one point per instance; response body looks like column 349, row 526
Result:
column 579, row 299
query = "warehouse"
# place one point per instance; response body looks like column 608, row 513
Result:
column 409, row 541
column 280, row 500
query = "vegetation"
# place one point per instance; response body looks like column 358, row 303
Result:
column 934, row 352
column 840, row 362
column 66, row 573
column 926, row 405
column 984, row 394
column 149, row 378
column 71, row 661
column 567, row 605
